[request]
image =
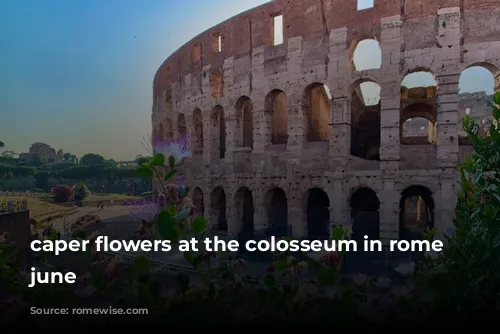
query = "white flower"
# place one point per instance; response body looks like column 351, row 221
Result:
column 406, row 268
column 383, row 282
column 359, row 279
column 178, row 149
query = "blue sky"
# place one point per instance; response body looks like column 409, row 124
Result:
column 78, row 74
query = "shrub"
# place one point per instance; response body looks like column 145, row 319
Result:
column 466, row 276
column 81, row 191
column 62, row 193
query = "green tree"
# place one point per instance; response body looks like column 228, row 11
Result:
column 466, row 277
column 36, row 160
column 2, row 144
column 91, row 159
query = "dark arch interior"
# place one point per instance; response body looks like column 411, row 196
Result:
column 198, row 201
column 365, row 214
column 247, row 211
column 277, row 213
column 416, row 212
column 318, row 214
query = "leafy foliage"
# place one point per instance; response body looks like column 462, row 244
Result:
column 81, row 191
column 466, row 276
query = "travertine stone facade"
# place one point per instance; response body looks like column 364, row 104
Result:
column 276, row 149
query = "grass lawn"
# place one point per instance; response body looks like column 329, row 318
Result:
column 109, row 197
column 38, row 207
column 41, row 208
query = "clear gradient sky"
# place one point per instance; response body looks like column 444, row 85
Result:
column 78, row 74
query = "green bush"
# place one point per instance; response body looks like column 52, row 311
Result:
column 81, row 191
column 465, row 278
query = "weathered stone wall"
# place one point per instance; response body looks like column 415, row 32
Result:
column 441, row 36
column 18, row 228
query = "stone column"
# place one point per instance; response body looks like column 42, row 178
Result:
column 297, row 122
column 339, row 208
column 208, row 142
column 340, row 140
column 232, row 130
column 390, row 43
column 260, row 222
column 260, row 136
column 389, row 199
column 296, row 215
column 258, row 103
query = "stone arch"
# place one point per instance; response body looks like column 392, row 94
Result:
column 416, row 212
column 317, row 209
column 364, row 204
column 316, row 105
column 365, row 119
column 181, row 125
column 244, row 122
column 198, row 201
column 277, row 116
column 476, row 85
column 218, row 132
column 418, row 108
column 360, row 47
column 169, row 136
column 169, row 107
column 197, row 137
column 218, row 214
column 217, row 84
column 244, row 209
column 418, row 124
column 277, row 212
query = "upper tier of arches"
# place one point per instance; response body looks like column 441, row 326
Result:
column 314, row 20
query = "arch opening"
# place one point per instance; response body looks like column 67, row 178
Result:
column 318, row 214
column 197, row 138
column 244, row 122
column 181, row 125
column 243, row 201
column 160, row 133
column 416, row 212
column 316, row 105
column 218, row 217
column 169, row 108
column 365, row 206
column 277, row 212
column 277, row 111
column 476, row 87
column 365, row 121
column 198, row 201
column 418, row 124
column 418, row 109
column 363, row 47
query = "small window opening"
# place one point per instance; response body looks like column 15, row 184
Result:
column 365, row 4
column 217, row 43
column 278, row 30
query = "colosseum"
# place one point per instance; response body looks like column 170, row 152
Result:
column 283, row 138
